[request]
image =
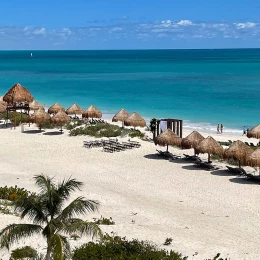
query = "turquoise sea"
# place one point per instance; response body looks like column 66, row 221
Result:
column 202, row 87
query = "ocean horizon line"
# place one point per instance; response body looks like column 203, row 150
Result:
column 139, row 49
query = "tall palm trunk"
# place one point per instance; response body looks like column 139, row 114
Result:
column 48, row 254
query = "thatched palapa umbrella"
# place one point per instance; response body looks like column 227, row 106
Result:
column 254, row 132
column 192, row 141
column 92, row 112
column 39, row 116
column 54, row 109
column 122, row 115
column 240, row 151
column 17, row 93
column 254, row 158
column 2, row 108
column 74, row 110
column 2, row 101
column 35, row 105
column 211, row 146
column 61, row 118
column 135, row 120
column 168, row 137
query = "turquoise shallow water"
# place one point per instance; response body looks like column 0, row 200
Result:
column 203, row 87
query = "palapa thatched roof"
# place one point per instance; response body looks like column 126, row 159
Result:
column 74, row 109
column 192, row 140
column 168, row 137
column 54, row 109
column 254, row 158
column 92, row 112
column 2, row 101
column 35, row 105
column 17, row 93
column 254, row 132
column 211, row 146
column 122, row 115
column 61, row 118
column 238, row 150
column 2, row 108
column 135, row 120
column 40, row 115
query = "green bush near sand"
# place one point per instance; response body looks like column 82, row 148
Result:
column 105, row 130
column 17, row 117
column 119, row 248
column 24, row 252
column 11, row 193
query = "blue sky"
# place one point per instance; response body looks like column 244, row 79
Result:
column 129, row 24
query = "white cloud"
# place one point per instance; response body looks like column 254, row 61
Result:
column 245, row 25
column 41, row 31
column 185, row 22
column 166, row 23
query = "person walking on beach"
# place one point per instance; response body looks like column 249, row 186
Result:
column 218, row 129
column 221, row 129
column 244, row 131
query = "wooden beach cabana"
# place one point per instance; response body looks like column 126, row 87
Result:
column 17, row 98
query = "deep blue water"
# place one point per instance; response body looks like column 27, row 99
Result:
column 203, row 87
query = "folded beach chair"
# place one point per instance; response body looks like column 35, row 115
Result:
column 236, row 171
column 191, row 157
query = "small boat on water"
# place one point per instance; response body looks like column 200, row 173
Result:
column 31, row 54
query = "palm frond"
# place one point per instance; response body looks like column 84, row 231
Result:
column 83, row 228
column 31, row 207
column 44, row 182
column 67, row 186
column 15, row 232
column 60, row 247
column 57, row 245
column 77, row 207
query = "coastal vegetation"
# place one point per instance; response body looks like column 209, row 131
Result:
column 119, row 248
column 50, row 218
column 11, row 193
column 103, row 130
column 24, row 252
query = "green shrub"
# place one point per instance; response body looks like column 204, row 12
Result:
column 73, row 124
column 24, row 252
column 17, row 117
column 104, row 130
column 75, row 236
column 104, row 221
column 119, row 248
column 136, row 133
column 47, row 124
column 11, row 193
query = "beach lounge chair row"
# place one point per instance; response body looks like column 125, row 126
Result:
column 250, row 144
column 206, row 165
column 168, row 155
column 97, row 121
column 243, row 173
column 111, row 145
column 118, row 147
column 190, row 157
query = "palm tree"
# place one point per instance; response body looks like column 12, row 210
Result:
column 49, row 217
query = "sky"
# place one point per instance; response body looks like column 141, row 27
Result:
column 128, row 24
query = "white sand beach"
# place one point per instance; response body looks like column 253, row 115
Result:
column 149, row 198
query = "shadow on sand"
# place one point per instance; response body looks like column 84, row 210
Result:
column 223, row 172
column 155, row 157
column 33, row 131
column 53, row 133
column 242, row 180
column 192, row 167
